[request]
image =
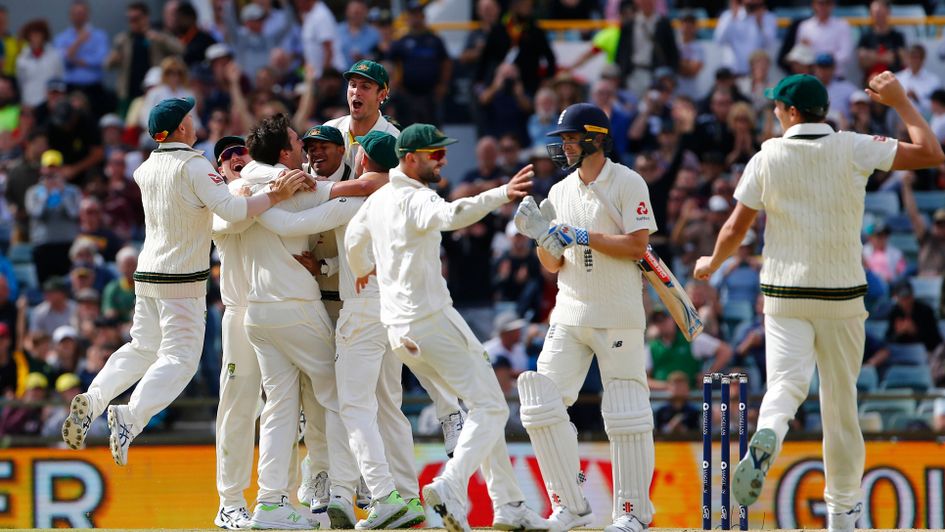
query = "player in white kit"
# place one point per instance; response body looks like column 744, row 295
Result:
column 811, row 184
column 592, row 228
column 398, row 232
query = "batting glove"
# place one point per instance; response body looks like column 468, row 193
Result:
column 569, row 235
column 529, row 219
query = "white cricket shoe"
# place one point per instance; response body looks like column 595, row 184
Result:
column 122, row 432
column 844, row 521
column 626, row 523
column 437, row 494
column 452, row 425
column 341, row 513
column 314, row 492
column 236, row 518
column 77, row 423
column 280, row 516
column 563, row 518
column 383, row 512
column 518, row 516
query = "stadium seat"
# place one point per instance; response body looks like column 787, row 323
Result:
column 877, row 328
column 871, row 422
column 929, row 200
column 907, row 423
column 793, row 12
column 868, row 380
column 907, row 243
column 882, row 203
column 899, row 223
column 916, row 378
column 908, row 355
column 26, row 275
column 888, row 407
column 21, row 253
column 928, row 290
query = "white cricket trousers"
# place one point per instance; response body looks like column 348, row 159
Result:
column 164, row 351
column 442, row 348
column 290, row 338
column 792, row 347
column 240, row 387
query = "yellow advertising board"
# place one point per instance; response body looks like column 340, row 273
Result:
column 174, row 486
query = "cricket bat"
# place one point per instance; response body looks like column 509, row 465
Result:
column 673, row 296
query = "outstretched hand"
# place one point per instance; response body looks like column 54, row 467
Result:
column 521, row 183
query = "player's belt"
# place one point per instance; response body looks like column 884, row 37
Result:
column 171, row 278
column 330, row 295
column 823, row 294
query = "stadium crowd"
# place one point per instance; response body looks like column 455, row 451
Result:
column 70, row 138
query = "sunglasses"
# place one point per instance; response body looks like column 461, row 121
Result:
column 228, row 153
column 435, row 154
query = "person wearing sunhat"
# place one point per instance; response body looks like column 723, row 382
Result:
column 181, row 192
column 28, row 418
column 810, row 183
column 396, row 234
column 368, row 90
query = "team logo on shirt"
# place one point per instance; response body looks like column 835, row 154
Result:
column 217, row 179
column 879, row 138
column 642, row 210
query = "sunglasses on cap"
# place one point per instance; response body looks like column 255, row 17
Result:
column 435, row 154
column 228, row 153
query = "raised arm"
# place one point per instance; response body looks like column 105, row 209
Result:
column 429, row 212
column 319, row 219
column 924, row 151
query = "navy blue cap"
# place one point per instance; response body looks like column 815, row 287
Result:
column 582, row 118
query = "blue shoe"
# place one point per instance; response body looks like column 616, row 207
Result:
column 750, row 473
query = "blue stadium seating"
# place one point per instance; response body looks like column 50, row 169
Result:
column 928, row 290
column 868, row 380
column 908, row 355
column 877, row 328
column 882, row 203
column 929, row 200
column 916, row 378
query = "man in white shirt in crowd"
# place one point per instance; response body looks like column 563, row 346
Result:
column 745, row 27
column 918, row 82
column 320, row 45
column 827, row 34
column 401, row 224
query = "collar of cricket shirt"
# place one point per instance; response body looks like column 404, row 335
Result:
column 808, row 128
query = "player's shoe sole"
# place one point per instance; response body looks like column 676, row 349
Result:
column 339, row 518
column 749, row 477
column 451, row 522
column 77, row 423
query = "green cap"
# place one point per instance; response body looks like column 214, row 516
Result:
column 419, row 136
column 370, row 70
column 379, row 146
column 803, row 91
column 166, row 116
column 326, row 133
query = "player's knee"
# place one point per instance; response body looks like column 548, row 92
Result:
column 541, row 402
column 626, row 408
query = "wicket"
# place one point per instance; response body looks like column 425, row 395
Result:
column 708, row 382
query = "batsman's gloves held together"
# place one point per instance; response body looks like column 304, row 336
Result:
column 530, row 220
column 562, row 236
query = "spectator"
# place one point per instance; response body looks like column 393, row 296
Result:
column 10, row 108
column 546, row 173
column 506, row 342
column 931, row 239
column 26, row 420
column 92, row 226
column 827, row 34
column 357, row 37
column 124, row 212
column 174, row 84
column 118, row 299
column 875, row 351
column 88, row 311
column 68, row 385
column 84, row 49
column 937, row 121
column 881, row 47
column 38, row 63
column 252, row 44
column 670, row 351
column 9, row 306
column 113, row 131
column 882, row 258
column 505, row 96
column 10, row 45
column 608, row 40
column 754, row 84
column 487, row 13
column 95, row 358
column 918, row 82
column 505, row 374
column 691, row 57
column 573, row 9
column 195, row 40
column 712, row 131
column 533, row 57
column 737, row 280
column 510, row 154
column 912, row 321
column 741, row 122
column 678, row 416
column 13, row 366
column 276, row 21
column 136, row 50
column 706, row 301
column 84, row 253
column 55, row 311
column 862, row 119
column 381, row 19
column 423, row 70
column 801, row 59
column 64, row 356
column 53, row 209
column 544, row 118
column 604, row 95
column 517, row 274
column 744, row 28
column 649, row 43
column 838, row 90
column 74, row 134
column 320, row 40
column 487, row 174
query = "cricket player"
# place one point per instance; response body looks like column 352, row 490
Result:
column 591, row 230
column 180, row 191
column 811, row 183
column 400, row 225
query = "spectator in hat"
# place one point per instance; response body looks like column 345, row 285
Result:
column 174, row 84
column 800, row 59
column 68, row 385
column 84, row 49
column 195, row 40
column 838, row 90
column 881, row 47
column 678, row 415
column 911, row 320
column 743, row 28
column 518, row 275
column 56, row 309
column 85, row 253
column 26, row 420
column 53, row 209
column 754, row 84
column 357, row 37
column 66, row 353
column 38, row 62
column 113, row 131
column 118, row 299
column 918, row 81
column 825, row 33
column 882, row 258
column 506, row 342
column 136, row 50
column 423, row 70
column 252, row 44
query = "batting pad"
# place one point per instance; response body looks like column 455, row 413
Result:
column 628, row 420
column 553, row 439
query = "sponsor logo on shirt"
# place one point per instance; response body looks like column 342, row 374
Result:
column 642, row 209
column 879, row 138
column 217, row 179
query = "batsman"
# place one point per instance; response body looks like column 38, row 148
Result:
column 599, row 310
